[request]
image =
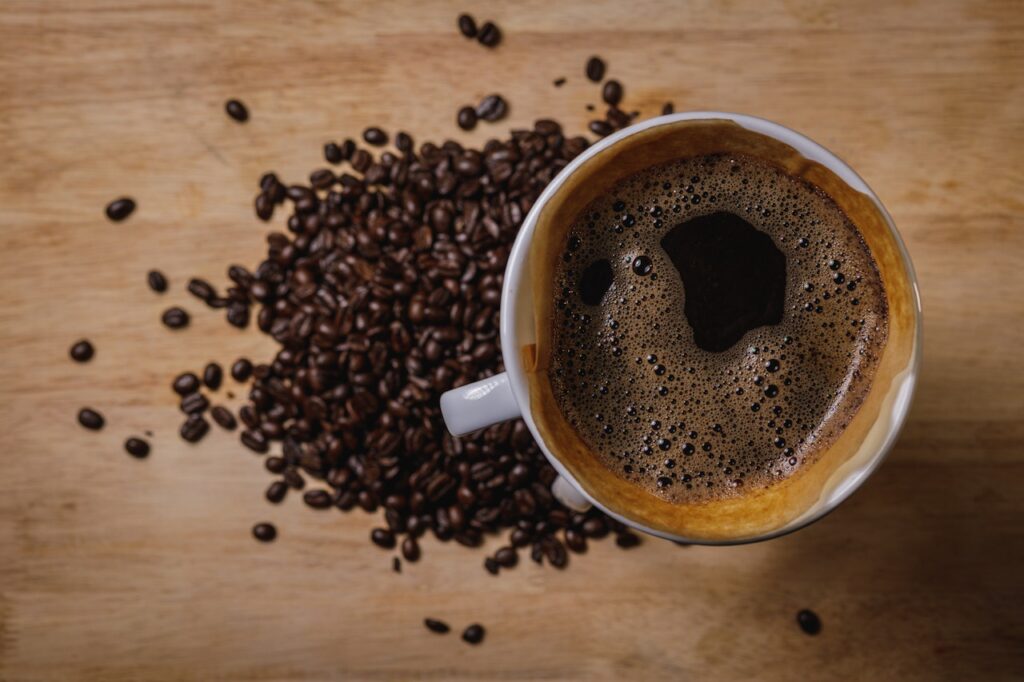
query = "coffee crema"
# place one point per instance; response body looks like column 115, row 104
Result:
column 717, row 323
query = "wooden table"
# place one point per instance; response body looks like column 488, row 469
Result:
column 113, row 568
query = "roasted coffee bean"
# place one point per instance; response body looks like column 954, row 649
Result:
column 332, row 153
column 558, row 82
column 438, row 626
column 492, row 108
column 136, row 447
column 194, row 403
column 238, row 314
column 224, row 418
column 403, row 142
column 467, row 26
column 410, row 549
column 264, row 532
column 474, row 634
column 236, row 110
column 156, row 281
column 490, row 35
column 669, row 108
column 575, row 541
column 264, row 206
column 383, row 537
column 555, row 553
column 212, row 376
column 241, row 370
column 201, row 289
column 396, row 564
column 491, row 565
column 808, row 621
column 595, row 69
column 595, row 527
column 119, row 209
column 466, row 118
column 255, row 441
column 194, row 428
column 90, row 419
column 294, row 479
column 612, row 93
column 185, row 383
column 617, row 118
column 277, row 490
column 375, row 136
column 175, row 318
column 601, row 128
column 626, row 539
column 317, row 499
column 82, row 351
column 274, row 465
column 507, row 557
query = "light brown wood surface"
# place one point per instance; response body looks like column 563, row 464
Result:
column 112, row 568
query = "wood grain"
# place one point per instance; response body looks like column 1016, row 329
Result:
column 112, row 568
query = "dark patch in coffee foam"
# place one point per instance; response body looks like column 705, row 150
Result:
column 662, row 412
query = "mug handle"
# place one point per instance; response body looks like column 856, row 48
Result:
column 489, row 401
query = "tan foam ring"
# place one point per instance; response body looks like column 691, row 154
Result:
column 767, row 509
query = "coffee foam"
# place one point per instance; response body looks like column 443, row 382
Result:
column 682, row 423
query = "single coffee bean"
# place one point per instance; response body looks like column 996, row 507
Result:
column 82, row 351
column 156, row 280
column 332, row 153
column 507, row 557
column 490, row 35
column 201, row 289
column 274, row 465
column 238, row 314
column 575, row 541
column 403, row 142
column 136, row 447
column 224, row 418
column 241, row 370
column 474, row 634
column 175, row 318
column 612, row 93
column 466, row 118
column 492, row 108
column 212, row 376
column 317, row 499
column 276, row 492
column 263, row 204
column 491, row 565
column 119, row 209
column 264, row 532
column 236, row 110
column 194, row 403
column 595, row 527
column 438, row 626
column 375, row 136
column 396, row 564
column 626, row 540
column 617, row 118
column 255, row 441
column 601, row 128
column 90, row 419
column 467, row 26
column 410, row 549
column 383, row 537
column 808, row 621
column 185, row 383
column 669, row 108
column 558, row 82
column 294, row 479
column 194, row 428
column 595, row 69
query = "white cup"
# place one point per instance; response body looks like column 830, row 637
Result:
column 506, row 396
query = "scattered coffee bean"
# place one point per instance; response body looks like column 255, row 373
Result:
column 383, row 537
column 491, row 565
column 212, row 376
column 194, row 403
column 241, row 370
column 201, row 289
column 474, row 634
column 90, row 419
column 559, row 82
column 236, row 110
column 82, row 351
column 136, row 447
column 601, row 128
column 438, row 626
column 595, row 69
column 156, row 281
column 332, row 153
column 410, row 549
column 294, row 479
column 119, row 209
column 194, row 428
column 467, row 26
column 185, row 383
column 467, row 118
column 264, row 532
column 626, row 539
column 669, row 108
column 612, row 93
column 238, row 314
column 276, row 492
column 175, row 318
column 507, row 557
column 264, row 207
column 808, row 621
column 492, row 108
column 255, row 441
column 618, row 118
column 575, row 541
column 317, row 499
column 403, row 142
column 490, row 35
column 224, row 418
column 375, row 136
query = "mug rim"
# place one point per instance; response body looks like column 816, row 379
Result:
column 515, row 272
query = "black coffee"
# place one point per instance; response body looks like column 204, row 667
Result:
column 717, row 325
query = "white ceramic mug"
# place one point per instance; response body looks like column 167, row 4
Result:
column 507, row 395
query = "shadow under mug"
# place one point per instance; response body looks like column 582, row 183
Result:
column 582, row 481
